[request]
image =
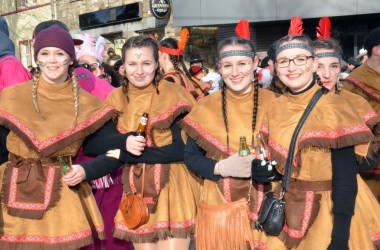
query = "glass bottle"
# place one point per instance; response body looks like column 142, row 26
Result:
column 243, row 149
column 141, row 129
column 65, row 166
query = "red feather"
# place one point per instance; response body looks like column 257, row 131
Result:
column 242, row 29
column 295, row 26
column 184, row 36
column 324, row 28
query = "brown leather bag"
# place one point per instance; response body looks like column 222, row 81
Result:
column 134, row 208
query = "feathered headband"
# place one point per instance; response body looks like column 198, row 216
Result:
column 241, row 30
column 324, row 33
column 91, row 47
column 181, row 44
column 295, row 28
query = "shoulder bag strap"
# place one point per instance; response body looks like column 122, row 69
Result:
column 143, row 180
column 289, row 160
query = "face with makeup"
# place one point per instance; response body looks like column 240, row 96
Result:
column 295, row 67
column 54, row 64
column 328, row 69
column 237, row 70
column 140, row 66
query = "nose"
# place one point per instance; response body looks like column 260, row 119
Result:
column 140, row 70
column 326, row 73
column 235, row 70
column 292, row 66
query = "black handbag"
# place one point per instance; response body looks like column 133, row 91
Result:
column 271, row 217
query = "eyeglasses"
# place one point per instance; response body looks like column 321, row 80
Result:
column 298, row 61
column 90, row 65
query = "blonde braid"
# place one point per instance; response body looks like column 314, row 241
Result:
column 76, row 98
column 36, row 77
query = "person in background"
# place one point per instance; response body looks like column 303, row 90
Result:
column 174, row 68
column 362, row 56
column 119, row 67
column 197, row 72
column 196, row 60
column 214, row 79
column 112, row 57
column 170, row 190
column 11, row 73
column 365, row 81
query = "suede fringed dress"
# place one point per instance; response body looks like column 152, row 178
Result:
column 365, row 82
column 334, row 123
column 39, row 210
column 205, row 126
column 171, row 191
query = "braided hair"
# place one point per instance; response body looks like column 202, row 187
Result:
column 250, row 47
column 177, row 61
column 140, row 42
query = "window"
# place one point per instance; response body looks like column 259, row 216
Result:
column 26, row 52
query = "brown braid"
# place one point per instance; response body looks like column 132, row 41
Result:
column 76, row 98
column 126, row 87
column 35, row 79
column 255, row 104
column 224, row 111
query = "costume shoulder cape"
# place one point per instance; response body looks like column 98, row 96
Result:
column 55, row 130
column 163, row 107
column 205, row 122
column 333, row 123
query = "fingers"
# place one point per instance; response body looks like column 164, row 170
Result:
column 75, row 176
column 136, row 143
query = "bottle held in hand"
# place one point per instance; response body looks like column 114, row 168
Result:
column 65, row 166
column 142, row 126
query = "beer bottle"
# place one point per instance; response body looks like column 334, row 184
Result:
column 141, row 129
column 65, row 166
column 243, row 149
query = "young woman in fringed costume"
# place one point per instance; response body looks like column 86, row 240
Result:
column 174, row 68
column 328, row 206
column 48, row 117
column 214, row 127
column 329, row 57
column 170, row 190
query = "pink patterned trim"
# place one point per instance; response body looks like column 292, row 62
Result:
column 375, row 237
column 306, row 218
column 260, row 197
column 264, row 129
column 56, row 138
column 131, row 180
column 12, row 202
column 44, row 238
column 369, row 116
column 157, row 177
column 349, row 130
column 281, row 150
column 161, row 117
column 207, row 136
column 149, row 200
column 369, row 91
column 260, row 245
column 157, row 226
column 227, row 189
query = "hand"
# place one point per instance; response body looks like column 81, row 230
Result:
column 236, row 166
column 115, row 153
column 338, row 244
column 264, row 171
column 135, row 144
column 74, row 176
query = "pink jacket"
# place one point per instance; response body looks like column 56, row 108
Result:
column 12, row 72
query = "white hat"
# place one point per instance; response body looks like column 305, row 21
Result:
column 362, row 52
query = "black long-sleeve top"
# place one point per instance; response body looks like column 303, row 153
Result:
column 97, row 144
column 196, row 160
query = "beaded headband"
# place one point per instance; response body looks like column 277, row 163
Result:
column 236, row 53
column 328, row 54
column 295, row 46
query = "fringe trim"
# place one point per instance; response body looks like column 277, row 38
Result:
column 30, row 214
column 64, row 142
column 41, row 246
column 376, row 244
column 223, row 227
column 166, row 123
column 210, row 148
column 162, row 234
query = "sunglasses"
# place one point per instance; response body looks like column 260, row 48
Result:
column 90, row 65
